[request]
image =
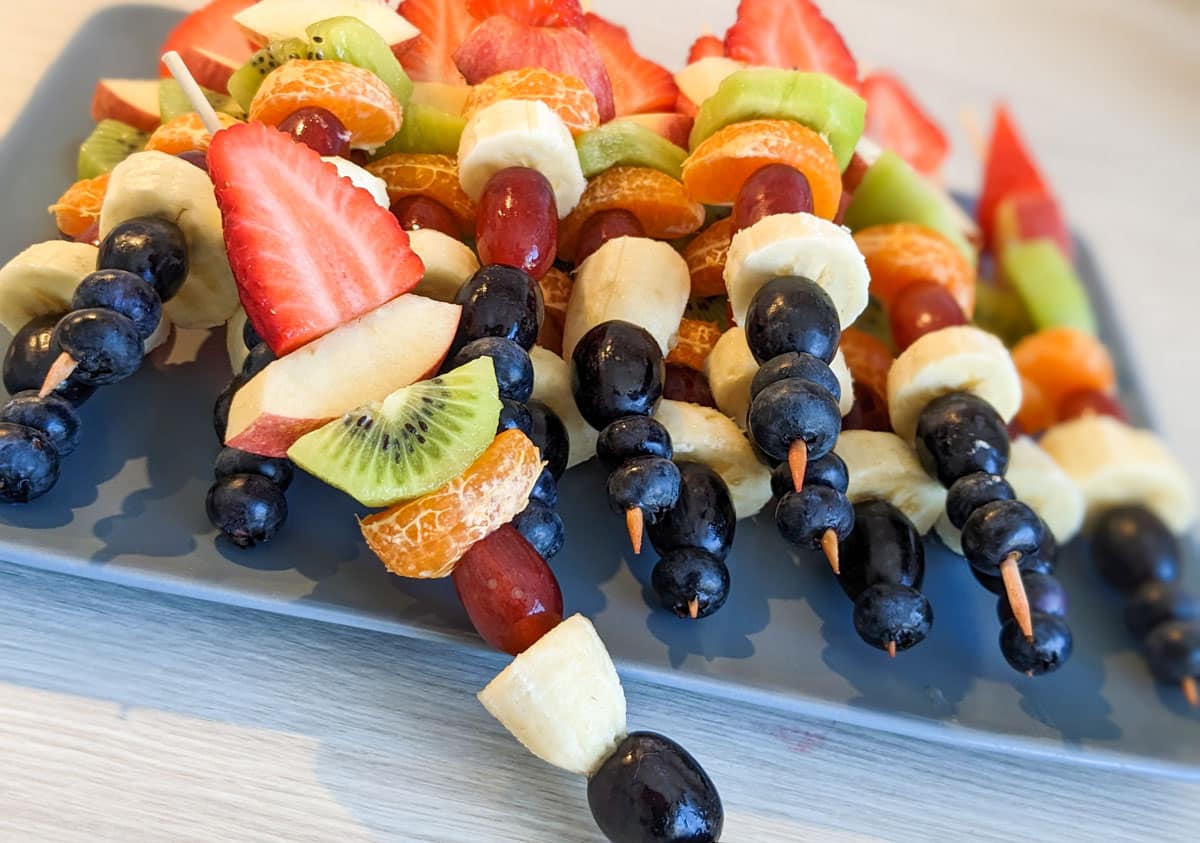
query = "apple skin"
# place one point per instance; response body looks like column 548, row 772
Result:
column 365, row 360
column 132, row 101
column 671, row 125
column 210, row 70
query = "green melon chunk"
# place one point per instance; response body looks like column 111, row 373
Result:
column 172, row 101
column 815, row 100
column 425, row 129
column 626, row 143
column 1000, row 311
column 352, row 41
column 1048, row 286
column 110, row 143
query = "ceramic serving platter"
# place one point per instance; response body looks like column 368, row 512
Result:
column 130, row 509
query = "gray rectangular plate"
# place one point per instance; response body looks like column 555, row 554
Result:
column 130, row 509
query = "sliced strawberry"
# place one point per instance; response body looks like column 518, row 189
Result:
column 444, row 24
column 501, row 43
column 706, row 46
column 1009, row 170
column 639, row 85
column 211, row 28
column 532, row 12
column 896, row 121
column 685, row 106
column 309, row 250
column 671, row 125
column 790, row 33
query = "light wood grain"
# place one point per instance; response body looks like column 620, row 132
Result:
column 130, row 716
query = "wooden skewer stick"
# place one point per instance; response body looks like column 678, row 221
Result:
column 635, row 523
column 694, row 608
column 970, row 124
column 829, row 544
column 1191, row 692
column 891, row 649
column 798, row 462
column 1014, row 588
column 199, row 102
column 60, row 370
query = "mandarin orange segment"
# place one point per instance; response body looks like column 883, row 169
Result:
column 185, row 133
column 360, row 99
column 1036, row 412
column 78, row 209
column 696, row 341
column 565, row 95
column 424, row 538
column 1060, row 361
column 656, row 199
column 717, row 169
column 868, row 359
column 426, row 174
column 556, row 291
column 705, row 258
column 899, row 254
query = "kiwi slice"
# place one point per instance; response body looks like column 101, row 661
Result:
column 1000, row 311
column 110, row 143
column 630, row 144
column 246, row 80
column 172, row 101
column 1052, row 293
column 415, row 440
column 819, row 102
column 352, row 41
column 425, row 129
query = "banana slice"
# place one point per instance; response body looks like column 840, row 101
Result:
column 841, row 371
column 883, row 466
column 42, row 279
column 957, row 359
column 552, row 386
column 797, row 244
column 562, row 698
column 360, row 178
column 520, row 133
column 235, row 344
column 154, row 184
column 730, row 368
column 1113, row 463
column 708, row 436
column 448, row 263
column 636, row 279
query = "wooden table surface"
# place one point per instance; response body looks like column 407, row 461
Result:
column 133, row 716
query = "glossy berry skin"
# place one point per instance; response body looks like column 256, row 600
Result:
column 828, row 470
column 886, row 613
column 795, row 365
column 231, row 461
column 54, row 417
column 1050, row 649
column 616, row 371
column 791, row 313
column 551, row 436
column 514, row 369
column 794, row 409
column 683, row 383
column 1173, row 651
column 1087, row 401
column 922, row 308
column 546, row 489
column 250, row 337
column 28, row 463
column 259, row 358
column 500, row 301
column 883, row 547
column 150, row 247
column 999, row 528
column 960, row 434
column 509, row 592
column 514, row 416
column 128, row 294
column 603, row 226
column 651, row 790
column 195, row 157
column 1045, row 594
column 969, row 493
column 247, row 508
column 420, row 212
column 1158, row 602
column 650, row 484
column 104, row 344
column 29, row 357
column 222, row 404
column 690, row 574
column 1131, row 547
column 702, row 518
column 995, row 584
column 773, row 189
column 803, row 517
column 542, row 528
column 318, row 129
column 516, row 221
column 630, row 437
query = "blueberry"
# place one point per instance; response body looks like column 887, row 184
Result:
column 998, row 529
column 546, row 489
column 514, row 369
column 52, row 416
column 702, row 518
column 231, row 461
column 1045, row 594
column 222, row 404
column 542, row 528
column 689, row 577
column 651, row 790
column 1158, row 602
column 128, row 294
column 514, row 416
column 804, row 517
column 1131, row 547
column 795, row 365
column 616, row 371
column 883, row 547
column 969, row 493
column 550, row 435
column 250, row 337
column 828, row 470
column 1173, row 651
column 259, row 358
column 790, row 410
column 960, row 434
column 247, row 508
column 28, row 463
column 151, row 248
column 500, row 301
column 633, row 436
column 29, row 357
column 886, row 614
column 1050, row 649
column 791, row 313
column 104, row 344
column 995, row 584
column 650, row 484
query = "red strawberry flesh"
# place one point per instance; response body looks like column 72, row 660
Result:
column 444, row 24
column 791, row 34
column 1009, row 170
column 638, row 84
column 704, row 47
column 532, row 12
column 896, row 121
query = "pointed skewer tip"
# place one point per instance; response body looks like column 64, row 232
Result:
column 694, row 608
column 635, row 523
column 829, row 545
column 798, row 462
column 891, row 649
column 1191, row 691
column 1014, row 589
column 60, row 370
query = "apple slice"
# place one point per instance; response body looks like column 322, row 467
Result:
column 276, row 20
column 671, row 125
column 365, row 360
column 700, row 79
column 210, row 70
column 132, row 101
column 441, row 95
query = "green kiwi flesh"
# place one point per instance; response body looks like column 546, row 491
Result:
column 172, row 101
column 352, row 41
column 110, row 143
column 246, row 80
column 623, row 142
column 425, row 129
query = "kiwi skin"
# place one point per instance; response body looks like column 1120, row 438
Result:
column 246, row 80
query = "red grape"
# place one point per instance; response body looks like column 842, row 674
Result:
column 91, row 234
column 1086, row 401
column 415, row 212
column 683, row 383
column 774, row 189
column 921, row 309
column 869, row 412
column 319, row 129
column 508, row 590
column 516, row 223
column 603, row 226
